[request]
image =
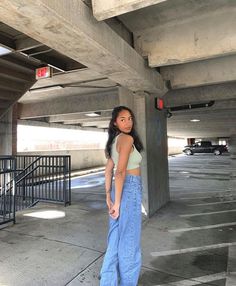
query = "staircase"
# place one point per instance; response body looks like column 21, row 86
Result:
column 26, row 180
column 17, row 75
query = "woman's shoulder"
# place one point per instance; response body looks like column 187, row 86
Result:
column 125, row 138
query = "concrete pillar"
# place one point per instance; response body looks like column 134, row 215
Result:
column 8, row 132
column 232, row 149
column 152, row 128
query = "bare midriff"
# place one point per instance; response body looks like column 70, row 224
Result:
column 135, row 172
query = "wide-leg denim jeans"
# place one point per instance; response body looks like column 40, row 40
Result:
column 122, row 261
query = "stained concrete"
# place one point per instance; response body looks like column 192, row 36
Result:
column 69, row 250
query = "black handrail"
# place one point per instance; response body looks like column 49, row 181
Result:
column 46, row 178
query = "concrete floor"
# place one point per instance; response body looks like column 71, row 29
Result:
column 191, row 241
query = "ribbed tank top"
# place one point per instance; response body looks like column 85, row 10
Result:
column 134, row 157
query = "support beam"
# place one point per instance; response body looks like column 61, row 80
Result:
column 55, row 125
column 198, row 132
column 80, row 117
column 88, row 122
column 110, row 8
column 12, row 74
column 201, row 73
column 26, row 43
column 96, row 123
column 200, row 94
column 93, row 44
column 70, row 104
column 204, row 114
column 190, row 39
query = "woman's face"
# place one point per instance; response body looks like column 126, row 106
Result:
column 124, row 121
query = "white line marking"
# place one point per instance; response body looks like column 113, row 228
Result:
column 201, row 227
column 206, row 190
column 209, row 197
column 191, row 249
column 208, row 213
column 197, row 280
column 214, row 203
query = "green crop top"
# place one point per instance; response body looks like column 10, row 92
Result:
column 134, row 157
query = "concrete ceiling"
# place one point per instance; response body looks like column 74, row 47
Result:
column 189, row 46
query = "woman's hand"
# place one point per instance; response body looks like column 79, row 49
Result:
column 115, row 211
column 109, row 202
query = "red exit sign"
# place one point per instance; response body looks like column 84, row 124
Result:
column 43, row 72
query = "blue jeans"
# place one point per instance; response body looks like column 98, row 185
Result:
column 122, row 261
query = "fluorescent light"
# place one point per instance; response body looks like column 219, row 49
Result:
column 93, row 114
column 195, row 120
column 45, row 89
column 4, row 51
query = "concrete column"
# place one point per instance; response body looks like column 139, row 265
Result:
column 152, row 128
column 232, row 149
column 8, row 131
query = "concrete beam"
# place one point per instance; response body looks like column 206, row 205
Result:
column 96, row 123
column 70, row 104
column 9, row 73
column 201, row 73
column 55, row 125
column 110, row 8
column 80, row 117
column 199, row 132
column 225, row 91
column 93, row 44
column 9, row 95
column 78, row 76
column 196, row 38
column 12, row 85
column 26, row 43
column 87, row 121
column 204, row 114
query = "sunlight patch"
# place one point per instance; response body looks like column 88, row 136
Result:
column 47, row 214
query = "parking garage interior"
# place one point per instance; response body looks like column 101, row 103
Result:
column 100, row 54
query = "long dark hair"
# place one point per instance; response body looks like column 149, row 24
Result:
column 113, row 131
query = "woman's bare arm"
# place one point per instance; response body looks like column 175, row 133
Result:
column 108, row 180
column 125, row 143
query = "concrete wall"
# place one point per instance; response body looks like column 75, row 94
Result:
column 80, row 159
column 176, row 145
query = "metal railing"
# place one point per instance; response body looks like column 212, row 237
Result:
column 44, row 178
column 7, row 189
column 25, row 180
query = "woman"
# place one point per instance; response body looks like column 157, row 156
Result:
column 122, row 261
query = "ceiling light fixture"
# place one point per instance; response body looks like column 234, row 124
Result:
column 93, row 114
column 4, row 51
column 195, row 120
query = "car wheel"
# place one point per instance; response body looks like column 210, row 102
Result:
column 217, row 152
column 188, row 152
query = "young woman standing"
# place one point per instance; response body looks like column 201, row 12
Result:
column 122, row 261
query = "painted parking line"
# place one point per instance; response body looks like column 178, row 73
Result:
column 201, row 227
column 191, row 249
column 197, row 280
column 207, row 213
column 208, row 197
column 214, row 203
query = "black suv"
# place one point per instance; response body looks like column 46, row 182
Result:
column 204, row 147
